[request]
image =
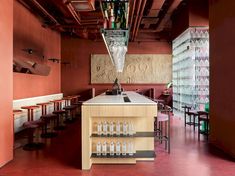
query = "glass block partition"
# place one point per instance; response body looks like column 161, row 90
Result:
column 191, row 69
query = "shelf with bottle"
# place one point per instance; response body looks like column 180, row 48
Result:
column 115, row 13
column 137, row 134
column 118, row 149
column 137, row 154
column 105, row 128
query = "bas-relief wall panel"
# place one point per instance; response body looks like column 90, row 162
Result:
column 139, row 68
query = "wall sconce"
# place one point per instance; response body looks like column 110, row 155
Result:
column 54, row 60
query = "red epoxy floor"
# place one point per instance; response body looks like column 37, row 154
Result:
column 62, row 157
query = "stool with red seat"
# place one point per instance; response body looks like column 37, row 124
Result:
column 31, row 125
column 70, row 113
column 48, row 119
column 71, row 107
column 59, row 112
column 16, row 112
column 163, row 118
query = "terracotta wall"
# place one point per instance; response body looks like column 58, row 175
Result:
column 192, row 13
column 28, row 33
column 6, row 80
column 222, row 74
column 198, row 13
column 76, row 77
column 180, row 21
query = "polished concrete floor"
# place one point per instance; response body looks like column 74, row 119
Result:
column 62, row 157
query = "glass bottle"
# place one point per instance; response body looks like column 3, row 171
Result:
column 105, row 128
column 111, row 128
column 130, row 148
column 125, row 128
column 118, row 128
column 99, row 128
column 131, row 128
column 98, row 149
column 104, row 148
column 118, row 148
column 111, row 148
column 124, row 148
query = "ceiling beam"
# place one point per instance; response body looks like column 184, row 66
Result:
column 139, row 19
column 173, row 5
column 135, row 20
column 44, row 11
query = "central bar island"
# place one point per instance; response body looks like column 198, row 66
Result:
column 112, row 114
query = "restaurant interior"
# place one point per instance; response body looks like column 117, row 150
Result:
column 111, row 87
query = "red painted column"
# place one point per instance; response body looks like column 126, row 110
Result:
column 6, row 81
column 222, row 74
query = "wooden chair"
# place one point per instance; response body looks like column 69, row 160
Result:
column 203, row 116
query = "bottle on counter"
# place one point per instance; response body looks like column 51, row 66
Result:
column 125, row 128
column 124, row 148
column 118, row 128
column 130, row 148
column 118, row 148
column 130, row 128
column 99, row 128
column 111, row 128
column 105, row 128
column 98, row 149
column 111, row 148
column 104, row 148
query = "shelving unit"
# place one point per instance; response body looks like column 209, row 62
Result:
column 191, row 69
column 140, row 115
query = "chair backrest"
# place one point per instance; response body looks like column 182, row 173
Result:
column 203, row 113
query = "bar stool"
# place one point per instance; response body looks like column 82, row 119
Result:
column 31, row 126
column 59, row 113
column 71, row 106
column 16, row 112
column 67, row 100
column 186, row 110
column 163, row 119
column 70, row 111
column 203, row 116
column 192, row 114
column 48, row 119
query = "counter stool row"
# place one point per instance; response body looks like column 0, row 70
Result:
column 55, row 119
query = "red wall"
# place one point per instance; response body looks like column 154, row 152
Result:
column 222, row 74
column 6, row 80
column 198, row 13
column 28, row 33
column 192, row 13
column 76, row 77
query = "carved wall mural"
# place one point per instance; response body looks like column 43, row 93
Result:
column 139, row 68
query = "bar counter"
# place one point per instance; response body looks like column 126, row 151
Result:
column 128, row 108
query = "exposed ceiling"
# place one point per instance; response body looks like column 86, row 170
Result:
column 149, row 20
